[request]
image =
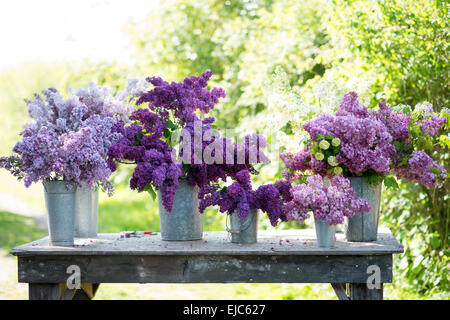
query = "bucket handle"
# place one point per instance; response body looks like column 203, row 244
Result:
column 230, row 231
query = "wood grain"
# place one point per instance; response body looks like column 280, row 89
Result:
column 205, row 269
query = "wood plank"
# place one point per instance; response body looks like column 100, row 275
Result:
column 273, row 242
column 205, row 269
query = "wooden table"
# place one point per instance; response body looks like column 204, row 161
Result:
column 280, row 256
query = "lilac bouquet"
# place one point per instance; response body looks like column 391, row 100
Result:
column 358, row 141
column 150, row 140
column 69, row 138
column 329, row 201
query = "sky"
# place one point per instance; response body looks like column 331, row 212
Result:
column 67, row 30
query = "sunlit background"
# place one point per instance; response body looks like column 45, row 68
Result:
column 280, row 62
column 70, row 30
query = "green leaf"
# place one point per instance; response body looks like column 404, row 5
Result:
column 320, row 136
column 171, row 125
column 151, row 191
column 390, row 183
column 373, row 178
column 137, row 140
column 329, row 136
column 398, row 145
column 434, row 170
column 167, row 133
column 185, row 166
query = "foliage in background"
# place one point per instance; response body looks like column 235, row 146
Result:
column 406, row 42
column 381, row 49
column 395, row 49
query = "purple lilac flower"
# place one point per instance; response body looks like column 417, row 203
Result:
column 182, row 98
column 227, row 163
column 420, row 169
column 365, row 140
column 328, row 202
column 238, row 197
column 68, row 138
column 432, row 125
column 396, row 122
column 144, row 143
column 269, row 200
column 153, row 157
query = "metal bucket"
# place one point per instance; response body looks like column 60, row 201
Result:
column 185, row 221
column 60, row 204
column 363, row 226
column 86, row 212
column 325, row 234
column 244, row 230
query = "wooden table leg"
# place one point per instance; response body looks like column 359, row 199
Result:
column 340, row 290
column 359, row 291
column 44, row 291
column 87, row 291
column 59, row 291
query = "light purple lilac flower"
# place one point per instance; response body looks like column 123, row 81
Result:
column 420, row 169
column 68, row 139
column 371, row 141
column 328, row 201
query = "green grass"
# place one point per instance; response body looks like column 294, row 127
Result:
column 16, row 230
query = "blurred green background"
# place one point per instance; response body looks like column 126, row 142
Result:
column 397, row 50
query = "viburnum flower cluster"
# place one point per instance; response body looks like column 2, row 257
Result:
column 329, row 201
column 69, row 138
column 150, row 140
column 358, row 141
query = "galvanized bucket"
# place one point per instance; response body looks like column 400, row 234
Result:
column 86, row 212
column 325, row 234
column 363, row 226
column 244, row 230
column 185, row 221
column 60, row 203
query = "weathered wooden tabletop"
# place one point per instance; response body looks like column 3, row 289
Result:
column 280, row 256
column 273, row 242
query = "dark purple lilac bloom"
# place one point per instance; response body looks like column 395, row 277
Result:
column 269, row 200
column 238, row 197
column 182, row 98
column 145, row 141
column 153, row 157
